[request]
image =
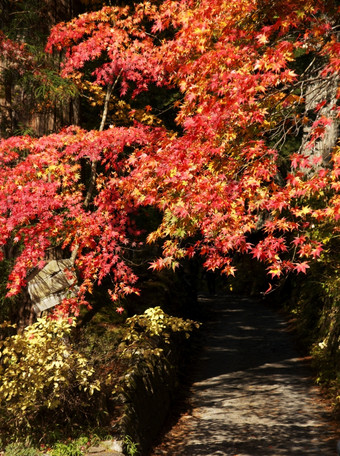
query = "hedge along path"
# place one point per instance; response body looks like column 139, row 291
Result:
column 253, row 393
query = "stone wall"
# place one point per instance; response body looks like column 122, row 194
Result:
column 148, row 401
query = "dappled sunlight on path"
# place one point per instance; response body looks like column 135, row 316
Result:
column 253, row 394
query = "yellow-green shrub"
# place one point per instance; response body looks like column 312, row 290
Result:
column 39, row 368
column 153, row 328
column 148, row 340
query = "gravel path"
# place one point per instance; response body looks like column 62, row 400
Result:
column 253, row 394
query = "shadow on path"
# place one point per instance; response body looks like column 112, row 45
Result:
column 253, row 394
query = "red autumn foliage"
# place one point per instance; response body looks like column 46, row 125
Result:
column 217, row 179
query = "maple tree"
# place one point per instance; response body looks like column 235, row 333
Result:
column 240, row 68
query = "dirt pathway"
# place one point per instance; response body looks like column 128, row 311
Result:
column 253, row 394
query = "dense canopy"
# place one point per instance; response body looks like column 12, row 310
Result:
column 248, row 166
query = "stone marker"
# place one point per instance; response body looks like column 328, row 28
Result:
column 50, row 285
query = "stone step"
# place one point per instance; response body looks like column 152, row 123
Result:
column 106, row 448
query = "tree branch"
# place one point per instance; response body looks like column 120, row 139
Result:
column 94, row 164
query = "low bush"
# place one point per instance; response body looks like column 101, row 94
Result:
column 59, row 381
column 41, row 370
column 147, row 337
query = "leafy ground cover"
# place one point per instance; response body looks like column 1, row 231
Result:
column 60, row 382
